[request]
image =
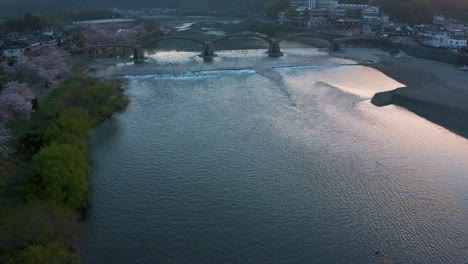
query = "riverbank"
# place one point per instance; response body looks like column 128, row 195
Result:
column 44, row 183
column 434, row 90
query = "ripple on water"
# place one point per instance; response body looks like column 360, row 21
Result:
column 261, row 168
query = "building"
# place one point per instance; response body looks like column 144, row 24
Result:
column 14, row 51
column 444, row 36
column 456, row 42
column 437, row 19
column 329, row 5
column 371, row 12
column 310, row 4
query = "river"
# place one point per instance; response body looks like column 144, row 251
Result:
column 251, row 159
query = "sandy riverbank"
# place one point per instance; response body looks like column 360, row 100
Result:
column 434, row 90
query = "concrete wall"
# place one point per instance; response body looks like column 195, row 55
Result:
column 370, row 43
column 434, row 54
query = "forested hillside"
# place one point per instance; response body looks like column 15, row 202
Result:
column 413, row 11
column 418, row 11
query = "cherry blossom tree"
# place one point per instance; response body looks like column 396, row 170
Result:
column 45, row 67
column 16, row 101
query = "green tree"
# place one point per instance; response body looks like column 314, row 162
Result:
column 272, row 7
column 415, row 11
column 53, row 253
column 75, row 120
column 63, row 170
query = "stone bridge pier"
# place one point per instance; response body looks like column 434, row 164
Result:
column 138, row 54
column 335, row 46
column 208, row 51
column 274, row 49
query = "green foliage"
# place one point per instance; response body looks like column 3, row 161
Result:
column 28, row 225
column 272, row 7
column 25, row 224
column 415, row 11
column 99, row 98
column 63, row 170
column 44, row 187
column 27, row 23
column 53, row 253
column 75, row 121
column 66, row 115
column 54, row 136
column 291, row 12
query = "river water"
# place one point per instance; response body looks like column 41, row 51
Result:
column 251, row 159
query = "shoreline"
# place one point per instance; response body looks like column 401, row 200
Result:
column 434, row 90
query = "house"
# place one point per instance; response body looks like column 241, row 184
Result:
column 48, row 32
column 443, row 36
column 435, row 36
column 455, row 42
column 371, row 12
column 14, row 51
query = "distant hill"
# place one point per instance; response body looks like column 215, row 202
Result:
column 16, row 7
column 417, row 11
column 413, row 11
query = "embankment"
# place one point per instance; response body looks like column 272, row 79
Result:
column 434, row 54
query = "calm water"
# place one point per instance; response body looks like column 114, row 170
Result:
column 278, row 161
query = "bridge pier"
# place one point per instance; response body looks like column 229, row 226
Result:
column 208, row 51
column 335, row 46
column 138, row 54
column 274, row 49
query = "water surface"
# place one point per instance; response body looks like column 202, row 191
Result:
column 256, row 160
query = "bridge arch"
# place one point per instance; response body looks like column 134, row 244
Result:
column 200, row 42
column 243, row 35
column 306, row 34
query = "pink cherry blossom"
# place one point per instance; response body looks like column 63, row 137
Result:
column 15, row 102
column 44, row 67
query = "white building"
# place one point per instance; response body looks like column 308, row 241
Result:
column 441, row 36
column 456, row 42
column 14, row 51
column 435, row 36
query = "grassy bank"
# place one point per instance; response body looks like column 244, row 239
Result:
column 44, row 186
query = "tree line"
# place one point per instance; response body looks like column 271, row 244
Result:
column 412, row 11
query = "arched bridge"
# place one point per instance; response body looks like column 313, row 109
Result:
column 96, row 49
column 160, row 39
column 208, row 54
